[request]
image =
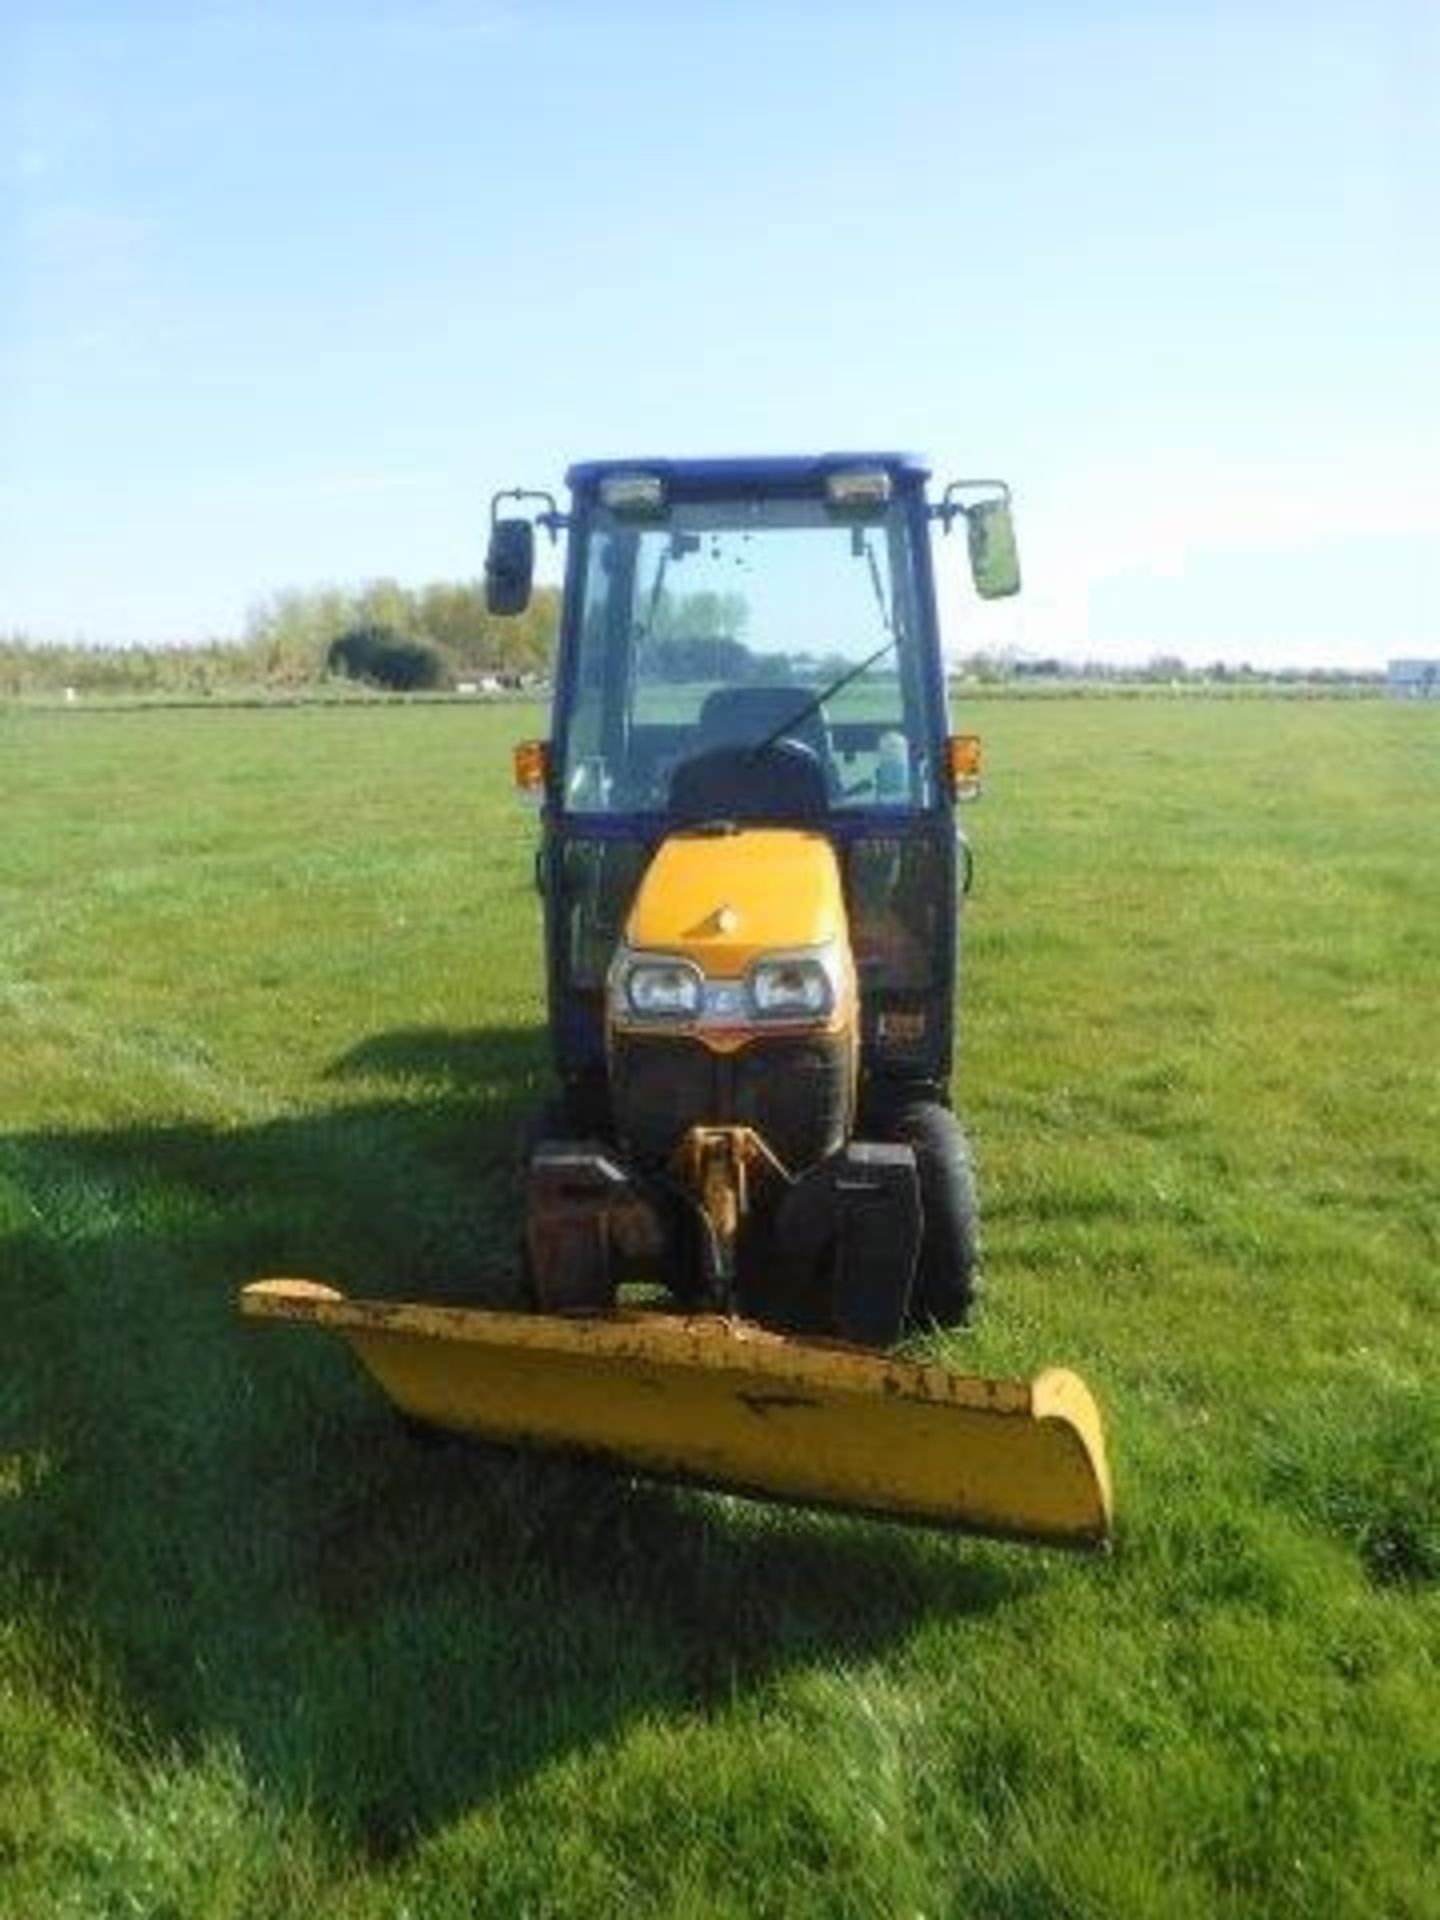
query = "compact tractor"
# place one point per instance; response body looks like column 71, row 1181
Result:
column 750, row 1183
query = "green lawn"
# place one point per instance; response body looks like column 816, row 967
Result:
column 269, row 1002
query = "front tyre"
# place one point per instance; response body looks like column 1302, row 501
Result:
column 947, row 1272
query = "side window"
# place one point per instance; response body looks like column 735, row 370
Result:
column 598, row 879
column 587, row 779
column 897, row 898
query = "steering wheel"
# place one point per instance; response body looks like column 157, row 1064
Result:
column 795, row 750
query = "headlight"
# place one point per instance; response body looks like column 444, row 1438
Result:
column 663, row 989
column 798, row 987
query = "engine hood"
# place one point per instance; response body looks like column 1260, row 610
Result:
column 724, row 899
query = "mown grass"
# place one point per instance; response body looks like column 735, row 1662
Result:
column 269, row 1002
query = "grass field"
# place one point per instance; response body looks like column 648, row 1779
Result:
column 269, row 1003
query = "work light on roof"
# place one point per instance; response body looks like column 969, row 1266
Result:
column 858, row 487
column 638, row 493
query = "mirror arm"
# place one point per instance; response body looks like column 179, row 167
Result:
column 552, row 520
column 947, row 509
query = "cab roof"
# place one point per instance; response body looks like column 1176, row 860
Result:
column 778, row 473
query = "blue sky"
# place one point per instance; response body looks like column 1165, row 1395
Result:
column 289, row 289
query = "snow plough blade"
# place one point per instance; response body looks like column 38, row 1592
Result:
column 727, row 1404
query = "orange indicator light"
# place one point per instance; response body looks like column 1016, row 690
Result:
column 962, row 763
column 532, row 764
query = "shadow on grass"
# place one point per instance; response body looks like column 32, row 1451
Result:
column 384, row 1633
column 448, row 1061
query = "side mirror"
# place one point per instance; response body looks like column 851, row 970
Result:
column 509, row 566
column 994, row 561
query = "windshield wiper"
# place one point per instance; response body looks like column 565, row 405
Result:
column 825, row 693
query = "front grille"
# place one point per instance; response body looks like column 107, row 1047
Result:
column 794, row 1091
column 658, row 1088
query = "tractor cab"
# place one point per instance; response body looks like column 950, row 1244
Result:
column 754, row 643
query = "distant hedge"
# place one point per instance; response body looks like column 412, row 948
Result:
column 385, row 658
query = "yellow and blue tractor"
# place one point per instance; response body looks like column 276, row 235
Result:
column 750, row 1183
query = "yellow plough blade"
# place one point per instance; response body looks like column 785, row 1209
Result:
column 728, row 1404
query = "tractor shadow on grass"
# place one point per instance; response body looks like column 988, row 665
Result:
column 383, row 1632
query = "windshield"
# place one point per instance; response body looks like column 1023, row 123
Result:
column 732, row 623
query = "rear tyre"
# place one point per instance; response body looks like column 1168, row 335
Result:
column 947, row 1272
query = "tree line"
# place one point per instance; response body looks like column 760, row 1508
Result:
column 382, row 633
column 1161, row 669
column 440, row 635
